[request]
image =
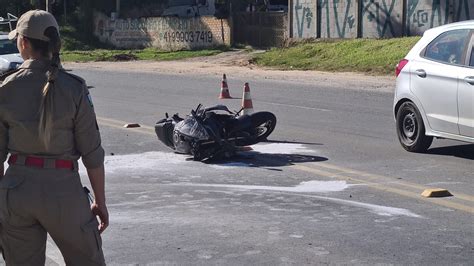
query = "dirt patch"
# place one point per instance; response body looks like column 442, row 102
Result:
column 239, row 64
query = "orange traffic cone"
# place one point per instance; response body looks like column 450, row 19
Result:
column 247, row 106
column 225, row 94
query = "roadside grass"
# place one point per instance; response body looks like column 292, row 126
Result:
column 128, row 55
column 369, row 56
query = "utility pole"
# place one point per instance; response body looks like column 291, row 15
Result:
column 117, row 7
column 48, row 5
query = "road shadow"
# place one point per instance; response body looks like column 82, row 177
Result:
column 460, row 151
column 267, row 161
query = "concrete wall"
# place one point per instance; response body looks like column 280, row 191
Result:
column 304, row 19
column 381, row 18
column 374, row 18
column 165, row 33
column 426, row 14
column 338, row 19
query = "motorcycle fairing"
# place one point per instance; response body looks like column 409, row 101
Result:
column 192, row 128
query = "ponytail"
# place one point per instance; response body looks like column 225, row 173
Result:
column 47, row 101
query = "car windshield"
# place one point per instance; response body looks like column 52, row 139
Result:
column 8, row 47
column 181, row 3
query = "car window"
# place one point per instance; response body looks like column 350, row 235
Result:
column 8, row 47
column 448, row 47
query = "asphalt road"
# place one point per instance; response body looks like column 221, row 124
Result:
column 332, row 186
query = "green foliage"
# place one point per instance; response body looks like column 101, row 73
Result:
column 127, row 55
column 73, row 40
column 358, row 55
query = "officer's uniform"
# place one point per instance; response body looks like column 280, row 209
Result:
column 41, row 191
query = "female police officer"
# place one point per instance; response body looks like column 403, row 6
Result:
column 47, row 122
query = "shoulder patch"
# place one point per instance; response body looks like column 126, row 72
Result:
column 89, row 98
column 8, row 73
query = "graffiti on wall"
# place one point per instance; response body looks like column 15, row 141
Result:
column 340, row 14
column 423, row 14
column 381, row 15
column 164, row 32
column 377, row 18
column 304, row 20
column 463, row 10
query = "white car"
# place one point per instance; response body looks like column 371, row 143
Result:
column 434, row 96
column 10, row 58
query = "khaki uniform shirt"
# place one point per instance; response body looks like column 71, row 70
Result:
column 75, row 132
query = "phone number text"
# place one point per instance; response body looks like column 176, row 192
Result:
column 188, row 36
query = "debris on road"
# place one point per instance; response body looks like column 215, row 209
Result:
column 436, row 193
column 133, row 125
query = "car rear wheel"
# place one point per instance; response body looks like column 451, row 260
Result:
column 411, row 130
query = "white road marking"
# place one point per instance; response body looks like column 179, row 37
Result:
column 297, row 106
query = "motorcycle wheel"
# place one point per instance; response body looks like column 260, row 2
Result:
column 264, row 123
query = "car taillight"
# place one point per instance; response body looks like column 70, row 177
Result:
column 400, row 66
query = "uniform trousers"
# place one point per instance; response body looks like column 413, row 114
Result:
column 37, row 201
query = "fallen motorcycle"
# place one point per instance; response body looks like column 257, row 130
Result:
column 214, row 132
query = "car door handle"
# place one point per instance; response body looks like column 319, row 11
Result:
column 420, row 73
column 469, row 80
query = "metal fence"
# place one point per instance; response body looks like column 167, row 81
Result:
column 8, row 21
column 260, row 29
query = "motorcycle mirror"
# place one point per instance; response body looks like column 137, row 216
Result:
column 198, row 109
column 166, row 115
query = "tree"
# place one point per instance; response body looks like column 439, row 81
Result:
column 15, row 7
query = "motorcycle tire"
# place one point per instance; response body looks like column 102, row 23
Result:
column 264, row 123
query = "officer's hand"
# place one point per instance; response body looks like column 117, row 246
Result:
column 101, row 211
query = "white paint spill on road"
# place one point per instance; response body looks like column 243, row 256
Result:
column 296, row 236
column 377, row 209
column 303, row 187
column 230, row 165
column 282, row 148
column 143, row 163
column 150, row 162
